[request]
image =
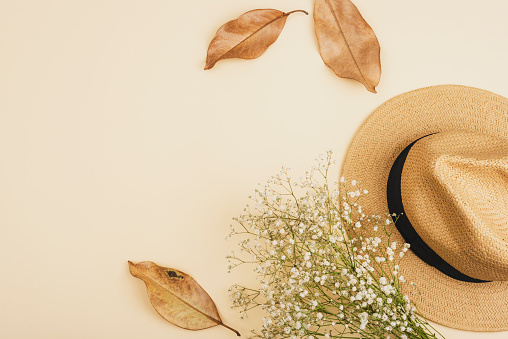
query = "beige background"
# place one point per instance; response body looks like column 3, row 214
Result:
column 116, row 145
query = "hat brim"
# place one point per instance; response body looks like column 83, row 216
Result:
column 386, row 132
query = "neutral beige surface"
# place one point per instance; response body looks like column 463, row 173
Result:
column 115, row 145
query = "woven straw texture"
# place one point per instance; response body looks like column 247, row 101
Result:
column 459, row 180
column 386, row 132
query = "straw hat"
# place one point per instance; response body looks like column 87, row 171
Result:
column 440, row 156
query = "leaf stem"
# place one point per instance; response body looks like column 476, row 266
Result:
column 297, row 10
column 232, row 329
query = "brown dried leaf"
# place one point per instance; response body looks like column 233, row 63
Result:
column 248, row 36
column 177, row 297
column 347, row 43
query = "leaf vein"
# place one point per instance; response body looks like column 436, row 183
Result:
column 253, row 33
column 345, row 39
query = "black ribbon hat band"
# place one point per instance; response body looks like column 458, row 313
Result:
column 418, row 246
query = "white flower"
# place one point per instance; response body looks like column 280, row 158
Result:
column 363, row 319
column 319, row 316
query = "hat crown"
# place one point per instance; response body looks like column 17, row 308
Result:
column 454, row 188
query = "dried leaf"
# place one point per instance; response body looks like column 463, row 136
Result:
column 177, row 297
column 248, row 36
column 347, row 43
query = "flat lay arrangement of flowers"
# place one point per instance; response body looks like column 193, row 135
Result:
column 141, row 187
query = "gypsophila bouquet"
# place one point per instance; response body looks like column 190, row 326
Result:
column 323, row 270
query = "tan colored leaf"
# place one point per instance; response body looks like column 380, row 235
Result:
column 248, row 36
column 347, row 43
column 177, row 297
